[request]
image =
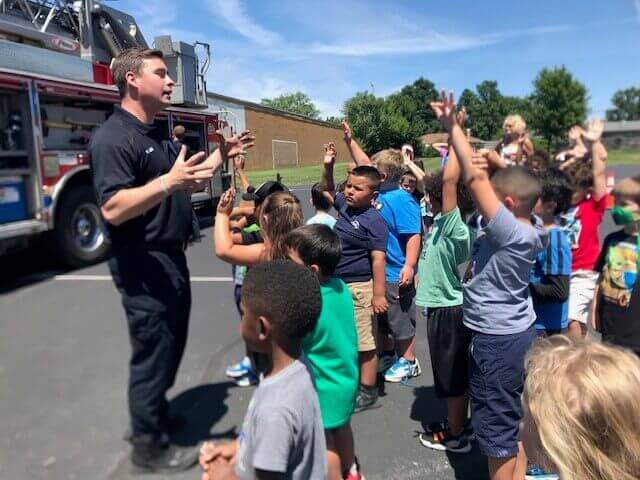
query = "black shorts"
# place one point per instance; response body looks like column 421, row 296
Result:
column 496, row 380
column 449, row 342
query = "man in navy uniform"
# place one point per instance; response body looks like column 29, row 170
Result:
column 143, row 187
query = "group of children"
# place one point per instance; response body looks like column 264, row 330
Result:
column 493, row 254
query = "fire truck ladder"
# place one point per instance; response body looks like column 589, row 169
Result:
column 42, row 13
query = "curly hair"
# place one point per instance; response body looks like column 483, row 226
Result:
column 286, row 293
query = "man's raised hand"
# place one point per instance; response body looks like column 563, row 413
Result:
column 238, row 144
column 445, row 110
column 330, row 153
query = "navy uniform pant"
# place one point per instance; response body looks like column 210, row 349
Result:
column 156, row 295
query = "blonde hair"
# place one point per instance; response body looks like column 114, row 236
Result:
column 518, row 125
column 629, row 187
column 280, row 214
column 584, row 399
column 389, row 162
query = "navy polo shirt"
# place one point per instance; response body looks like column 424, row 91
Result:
column 127, row 153
column 360, row 232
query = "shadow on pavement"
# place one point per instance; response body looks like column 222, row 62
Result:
column 428, row 408
column 200, row 409
column 27, row 267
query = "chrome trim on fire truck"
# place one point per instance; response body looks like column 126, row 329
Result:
column 26, row 227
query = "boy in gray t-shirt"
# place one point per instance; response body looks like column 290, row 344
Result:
column 282, row 432
column 496, row 305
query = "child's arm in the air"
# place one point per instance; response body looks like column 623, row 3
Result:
column 356, row 152
column 326, row 181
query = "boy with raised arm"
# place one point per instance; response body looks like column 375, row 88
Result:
column 497, row 306
column 363, row 235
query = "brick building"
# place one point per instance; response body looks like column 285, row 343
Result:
column 283, row 139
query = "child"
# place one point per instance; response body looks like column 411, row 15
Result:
column 583, row 220
column 618, row 295
column 447, row 245
column 402, row 216
column 496, row 303
column 363, row 235
column 551, row 273
column 322, row 205
column 581, row 403
column 282, row 434
column 332, row 347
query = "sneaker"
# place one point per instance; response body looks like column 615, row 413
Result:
column 247, row 380
column 445, row 441
column 386, row 361
column 354, row 472
column 443, row 425
column 161, row 458
column 536, row 473
column 239, row 369
column 402, row 370
column 367, row 398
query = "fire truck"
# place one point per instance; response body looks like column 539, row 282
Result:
column 55, row 89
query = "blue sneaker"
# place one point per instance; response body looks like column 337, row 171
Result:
column 536, row 473
column 247, row 380
column 402, row 369
column 239, row 369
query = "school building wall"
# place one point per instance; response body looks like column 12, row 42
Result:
column 283, row 140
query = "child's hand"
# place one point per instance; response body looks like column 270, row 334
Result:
column 219, row 469
column 575, row 133
column 445, row 110
column 238, row 162
column 594, row 131
column 379, row 304
column 462, row 117
column 329, row 154
column 225, row 205
column 406, row 276
column 347, row 132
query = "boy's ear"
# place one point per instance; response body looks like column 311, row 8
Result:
column 509, row 202
column 264, row 328
column 314, row 268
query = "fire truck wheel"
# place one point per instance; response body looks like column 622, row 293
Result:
column 78, row 229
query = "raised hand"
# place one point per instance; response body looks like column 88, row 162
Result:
column 346, row 129
column 330, row 153
column 462, row 116
column 238, row 162
column 238, row 144
column 575, row 133
column 594, row 130
column 445, row 110
column 407, row 154
column 225, row 204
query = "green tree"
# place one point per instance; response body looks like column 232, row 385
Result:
column 626, row 105
column 412, row 102
column 559, row 101
column 297, row 102
column 374, row 124
column 335, row 120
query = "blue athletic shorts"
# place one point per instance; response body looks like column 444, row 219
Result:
column 496, row 379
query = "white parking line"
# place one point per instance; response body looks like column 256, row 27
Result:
column 104, row 278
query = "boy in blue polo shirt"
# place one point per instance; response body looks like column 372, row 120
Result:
column 551, row 273
column 363, row 235
column 402, row 215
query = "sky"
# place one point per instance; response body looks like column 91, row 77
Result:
column 332, row 49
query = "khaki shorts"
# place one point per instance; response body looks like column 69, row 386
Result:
column 362, row 293
column 581, row 290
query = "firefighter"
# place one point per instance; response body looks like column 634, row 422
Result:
column 143, row 188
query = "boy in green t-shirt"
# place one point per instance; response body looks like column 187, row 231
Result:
column 332, row 347
column 446, row 246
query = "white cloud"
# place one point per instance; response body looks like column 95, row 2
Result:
column 238, row 19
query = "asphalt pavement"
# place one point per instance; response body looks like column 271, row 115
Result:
column 63, row 371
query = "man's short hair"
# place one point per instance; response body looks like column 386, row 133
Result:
column 179, row 131
column 316, row 244
column 519, row 183
column 629, row 187
column 318, row 198
column 556, row 187
column 286, row 293
column 370, row 173
column 130, row 60
column 389, row 161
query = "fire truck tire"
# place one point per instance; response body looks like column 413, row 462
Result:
column 80, row 239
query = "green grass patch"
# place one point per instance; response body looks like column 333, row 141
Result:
column 623, row 157
column 310, row 174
